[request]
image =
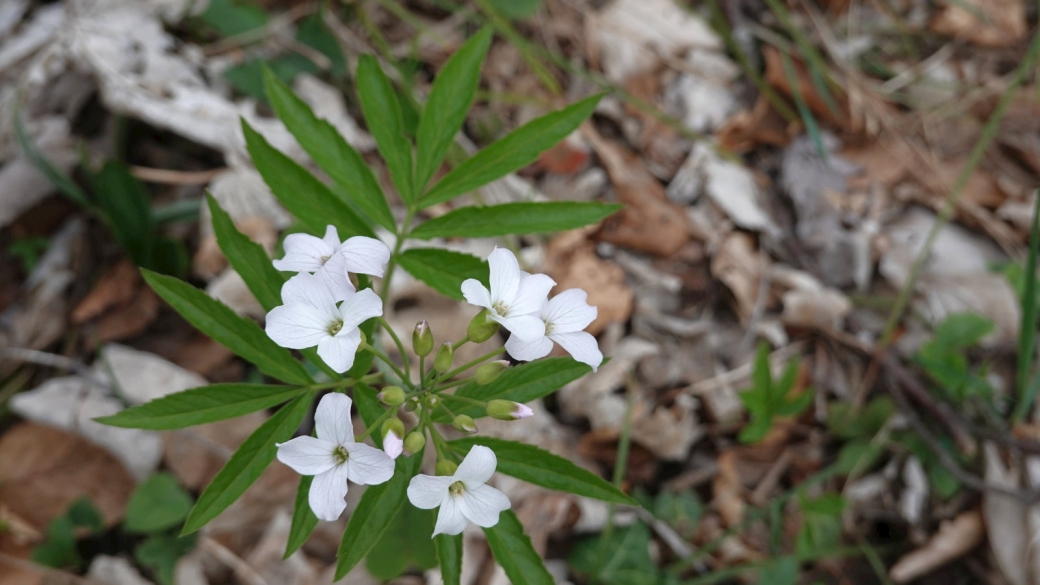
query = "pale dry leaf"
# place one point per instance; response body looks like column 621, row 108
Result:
column 740, row 267
column 1006, row 518
column 115, row 571
column 572, row 262
column 989, row 23
column 266, row 556
column 230, row 289
column 954, row 538
column 142, row 377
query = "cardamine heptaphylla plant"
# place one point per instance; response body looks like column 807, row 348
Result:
column 375, row 416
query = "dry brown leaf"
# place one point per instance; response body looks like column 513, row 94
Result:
column 209, row 260
column 740, row 267
column 880, row 162
column 128, row 320
column 776, row 76
column 115, row 287
column 953, row 539
column 748, row 129
column 728, row 491
column 44, row 470
column 648, row 222
column 571, row 260
column 196, row 455
column 989, row 23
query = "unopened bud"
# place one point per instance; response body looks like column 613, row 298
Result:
column 464, row 424
column 422, row 339
column 508, row 410
column 393, row 437
column 446, row 468
column 445, row 355
column 481, row 328
column 431, row 401
column 411, row 404
column 413, row 443
column 489, row 372
column 391, row 396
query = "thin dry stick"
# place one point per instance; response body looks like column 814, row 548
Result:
column 171, row 177
column 242, row 569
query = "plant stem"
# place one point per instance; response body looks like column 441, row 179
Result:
column 345, row 382
column 448, row 385
column 1027, row 332
column 467, row 400
column 397, row 341
column 460, row 342
column 389, row 362
column 469, row 365
column 401, row 237
column 379, row 421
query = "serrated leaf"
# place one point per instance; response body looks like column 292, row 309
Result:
column 522, row 383
column 385, row 122
column 363, row 360
column 369, row 408
column 303, row 521
column 513, row 551
column 247, row 257
column 355, row 183
column 307, row 198
column 447, row 105
column 516, row 150
column 377, row 508
column 246, row 465
column 443, row 270
column 157, row 503
column 127, row 207
column 449, row 554
column 405, row 543
column 199, row 406
column 541, row 467
column 514, row 218
column 240, row 335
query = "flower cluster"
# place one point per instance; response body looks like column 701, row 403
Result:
column 322, row 308
column 519, row 302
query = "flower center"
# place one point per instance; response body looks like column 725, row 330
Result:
column 501, row 308
column 325, row 259
column 340, row 454
column 456, row 489
column 335, row 327
column 549, row 326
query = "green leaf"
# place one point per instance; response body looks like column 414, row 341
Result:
column 963, row 330
column 246, row 465
column 240, row 335
column 514, row 218
column 303, row 521
column 386, row 124
column 248, row 77
column 762, row 377
column 517, row 8
column 377, row 507
column 449, row 555
column 443, row 270
column 157, row 503
column 513, row 551
column 523, row 383
column 307, row 198
column 59, row 550
column 201, row 405
column 516, row 150
column 127, row 207
column 355, row 183
column 160, row 553
column 621, row 557
column 450, row 99
column 541, row 467
column 84, row 514
column 405, row 544
column 232, row 18
column 363, row 360
column 247, row 258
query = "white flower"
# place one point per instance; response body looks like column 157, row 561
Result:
column 463, row 496
column 332, row 259
column 393, row 445
column 564, row 317
column 310, row 317
column 334, row 457
column 514, row 297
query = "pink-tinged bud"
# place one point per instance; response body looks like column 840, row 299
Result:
column 464, row 423
column 489, row 372
column 393, row 437
column 523, row 411
column 391, row 396
column 508, row 410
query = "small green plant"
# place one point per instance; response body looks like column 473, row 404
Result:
column 943, row 357
column 821, row 523
column 768, row 399
column 59, row 550
column 156, row 509
column 28, row 251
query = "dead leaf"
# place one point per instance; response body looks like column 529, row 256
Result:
column 954, row 538
column 568, row 156
column 209, row 260
column 1006, row 518
column 195, row 455
column 988, row 23
column 142, row 376
column 740, row 267
column 728, row 491
column 115, row 287
column 45, row 470
column 748, row 129
column 836, row 113
column 572, row 262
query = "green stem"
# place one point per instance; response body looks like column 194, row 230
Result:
column 397, row 341
column 375, row 424
column 469, row 365
column 382, row 356
column 345, row 382
column 444, row 451
column 401, row 237
column 467, row 400
column 450, row 412
column 460, row 342
column 448, row 385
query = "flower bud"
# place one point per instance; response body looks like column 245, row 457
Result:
column 422, row 339
column 364, row 342
column 411, row 404
column 445, row 467
column 431, row 401
column 445, row 355
column 391, row 396
column 481, row 328
column 393, row 437
column 508, row 410
column 413, row 443
column 489, row 372
column 464, row 424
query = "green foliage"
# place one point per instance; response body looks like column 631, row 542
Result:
column 514, row 218
column 517, row 8
column 768, row 399
column 303, row 521
column 513, row 551
column 523, row 383
column 781, row 571
column 821, row 523
column 201, row 405
column 156, row 504
column 247, row 258
column 59, row 549
column 449, row 556
column 680, row 510
column 160, row 553
column 405, row 544
column 619, row 557
column 944, row 359
column 540, row 467
column 28, row 251
column 443, row 270
column 231, row 17
column 383, row 115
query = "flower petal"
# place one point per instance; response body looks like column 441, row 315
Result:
column 297, row 326
column 482, row 504
column 365, row 255
column 368, row 465
column 331, row 239
column 297, row 263
column 360, row 307
column 569, row 311
column 393, row 445
column 450, row 519
column 475, row 293
column 478, row 466
column 339, row 351
column 428, row 491
column 526, row 351
column 303, row 253
column 312, row 291
column 582, row 347
column 328, row 493
column 332, row 419
column 505, row 275
column 531, row 295
column 334, row 275
column 526, row 327
column 307, row 455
